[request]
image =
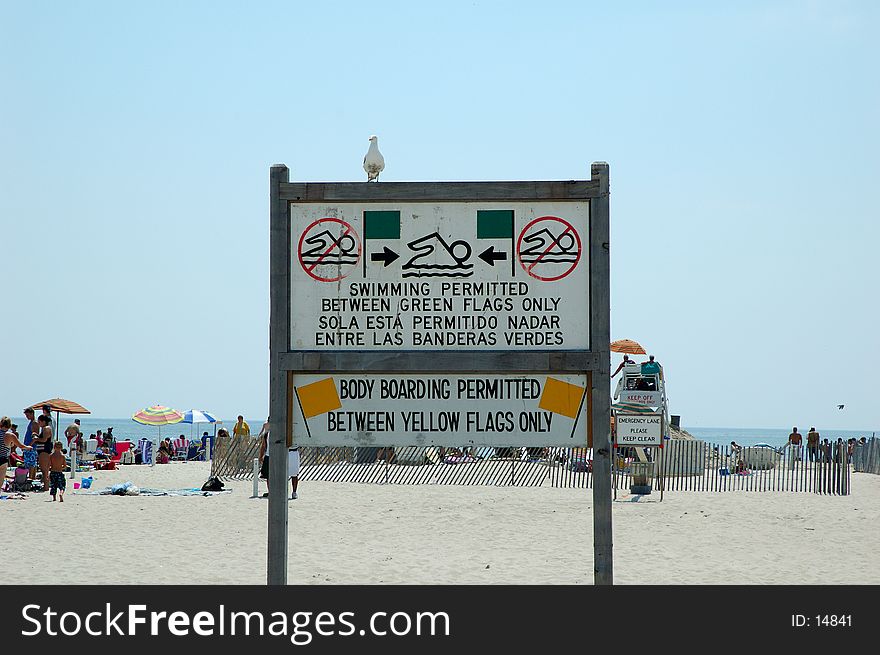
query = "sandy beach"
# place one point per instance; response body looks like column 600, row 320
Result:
column 393, row 534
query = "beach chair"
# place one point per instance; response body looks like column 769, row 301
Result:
column 180, row 449
column 195, row 452
column 20, row 481
column 91, row 448
column 146, row 447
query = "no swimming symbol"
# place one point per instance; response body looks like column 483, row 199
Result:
column 329, row 249
column 549, row 248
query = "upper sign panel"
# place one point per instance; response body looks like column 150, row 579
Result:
column 440, row 276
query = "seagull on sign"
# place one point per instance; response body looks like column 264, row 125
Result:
column 374, row 162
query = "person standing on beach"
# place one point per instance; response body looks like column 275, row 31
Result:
column 794, row 441
column 8, row 441
column 812, row 444
column 30, row 455
column 241, row 429
column 47, row 412
column 293, row 463
column 56, row 477
column 264, row 453
column 42, row 443
column 72, row 431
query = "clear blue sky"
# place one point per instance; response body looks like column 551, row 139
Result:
column 136, row 140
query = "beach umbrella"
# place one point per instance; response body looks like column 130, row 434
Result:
column 60, row 406
column 627, row 346
column 195, row 416
column 157, row 415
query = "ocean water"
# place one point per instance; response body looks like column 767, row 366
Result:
column 776, row 437
column 125, row 428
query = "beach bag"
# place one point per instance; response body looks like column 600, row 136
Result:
column 213, row 484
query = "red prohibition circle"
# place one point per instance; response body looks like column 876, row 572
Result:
column 568, row 228
column 309, row 268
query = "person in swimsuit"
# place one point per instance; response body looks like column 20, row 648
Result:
column 43, row 445
column 56, row 477
column 8, row 440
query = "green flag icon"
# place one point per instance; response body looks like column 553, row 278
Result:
column 381, row 225
column 494, row 223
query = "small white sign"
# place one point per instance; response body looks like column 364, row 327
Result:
column 639, row 430
column 648, row 398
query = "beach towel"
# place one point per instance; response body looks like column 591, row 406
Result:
column 146, row 448
column 109, row 491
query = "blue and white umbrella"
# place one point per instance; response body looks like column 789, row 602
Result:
column 197, row 416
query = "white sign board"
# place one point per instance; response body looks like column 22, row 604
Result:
column 440, row 276
column 461, row 408
column 639, row 430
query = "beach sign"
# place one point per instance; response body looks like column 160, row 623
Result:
column 639, row 430
column 439, row 314
column 497, row 276
column 440, row 409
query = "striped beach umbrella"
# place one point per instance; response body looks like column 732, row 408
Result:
column 627, row 346
column 157, row 415
column 60, row 406
column 198, row 416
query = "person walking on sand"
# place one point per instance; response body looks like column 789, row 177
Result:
column 8, row 441
column 812, row 444
column 241, row 429
column 56, row 477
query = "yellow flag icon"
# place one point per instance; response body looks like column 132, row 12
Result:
column 561, row 398
column 318, row 398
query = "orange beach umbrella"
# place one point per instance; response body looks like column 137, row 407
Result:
column 627, row 346
column 60, row 406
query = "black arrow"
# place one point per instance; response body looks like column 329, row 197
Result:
column 490, row 256
column 387, row 256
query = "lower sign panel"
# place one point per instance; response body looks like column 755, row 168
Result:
column 445, row 410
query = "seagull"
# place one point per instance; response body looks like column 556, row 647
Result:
column 840, row 407
column 374, row 162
